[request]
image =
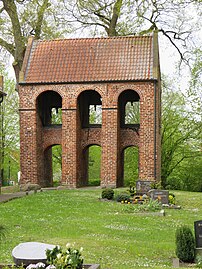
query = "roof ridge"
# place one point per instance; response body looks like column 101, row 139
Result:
column 94, row 38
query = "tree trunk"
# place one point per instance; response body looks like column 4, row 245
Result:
column 116, row 12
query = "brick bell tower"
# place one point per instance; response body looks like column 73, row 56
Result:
column 72, row 75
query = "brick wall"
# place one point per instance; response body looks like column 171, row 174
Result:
column 36, row 140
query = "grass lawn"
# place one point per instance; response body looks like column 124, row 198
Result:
column 110, row 234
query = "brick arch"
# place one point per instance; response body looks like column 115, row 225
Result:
column 121, row 89
column 90, row 88
column 91, row 143
column 77, row 90
column 128, row 146
column 43, row 89
column 48, row 146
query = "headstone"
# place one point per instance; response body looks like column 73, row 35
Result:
column 162, row 213
column 143, row 186
column 198, row 233
column 160, row 195
column 30, row 252
column 176, row 263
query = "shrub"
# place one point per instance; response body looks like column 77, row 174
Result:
column 123, row 197
column 199, row 261
column 156, row 185
column 108, row 194
column 151, row 205
column 185, row 244
column 171, row 198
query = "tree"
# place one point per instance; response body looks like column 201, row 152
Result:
column 9, row 132
column 116, row 17
column 181, row 139
column 21, row 18
column 195, row 84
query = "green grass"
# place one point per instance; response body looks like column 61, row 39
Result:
column 109, row 233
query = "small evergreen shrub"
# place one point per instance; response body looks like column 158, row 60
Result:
column 185, row 244
column 108, row 194
column 123, row 197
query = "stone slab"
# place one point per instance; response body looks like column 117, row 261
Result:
column 176, row 263
column 30, row 252
column 198, row 233
column 198, row 251
column 160, row 195
column 143, row 186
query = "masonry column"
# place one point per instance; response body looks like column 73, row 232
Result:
column 69, row 147
column 147, row 148
column 109, row 147
column 28, row 146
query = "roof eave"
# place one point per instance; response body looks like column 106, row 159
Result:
column 26, row 59
column 156, row 62
column 23, row 83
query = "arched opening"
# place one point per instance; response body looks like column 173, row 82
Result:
column 94, row 165
column 130, row 158
column 57, row 164
column 52, row 165
column 49, row 105
column 90, row 109
column 129, row 109
column 91, row 165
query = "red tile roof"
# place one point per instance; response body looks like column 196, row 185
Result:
column 90, row 60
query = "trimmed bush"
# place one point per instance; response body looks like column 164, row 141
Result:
column 185, row 244
column 108, row 194
column 123, row 197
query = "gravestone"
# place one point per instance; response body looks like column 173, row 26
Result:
column 198, row 233
column 160, row 195
column 30, row 252
column 143, row 186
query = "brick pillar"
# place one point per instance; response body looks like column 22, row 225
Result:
column 40, row 153
column 28, row 147
column 109, row 148
column 146, row 149
column 158, row 132
column 147, row 136
column 69, row 148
